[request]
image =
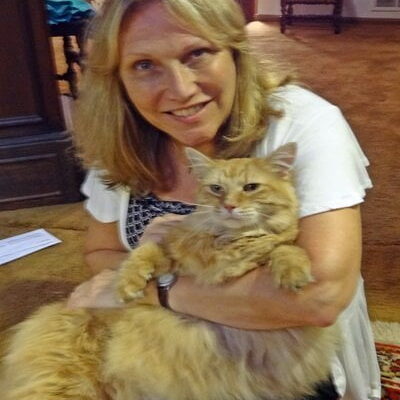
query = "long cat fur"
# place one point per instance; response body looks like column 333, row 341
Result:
column 147, row 353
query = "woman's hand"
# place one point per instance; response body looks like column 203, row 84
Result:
column 99, row 292
column 159, row 227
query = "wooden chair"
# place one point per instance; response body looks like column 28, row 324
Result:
column 287, row 10
column 73, row 58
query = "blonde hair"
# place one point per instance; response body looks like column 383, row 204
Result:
column 108, row 129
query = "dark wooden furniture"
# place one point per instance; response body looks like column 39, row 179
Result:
column 36, row 161
column 73, row 57
column 249, row 8
column 288, row 15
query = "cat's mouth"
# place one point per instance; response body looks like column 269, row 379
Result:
column 233, row 220
column 236, row 214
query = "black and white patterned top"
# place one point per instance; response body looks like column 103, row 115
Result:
column 141, row 210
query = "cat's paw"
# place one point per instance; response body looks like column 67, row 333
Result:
column 230, row 271
column 140, row 266
column 285, row 276
column 134, row 274
column 131, row 287
column 291, row 268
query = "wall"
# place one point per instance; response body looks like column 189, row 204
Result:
column 351, row 8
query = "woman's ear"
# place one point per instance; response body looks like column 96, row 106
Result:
column 199, row 163
column 282, row 159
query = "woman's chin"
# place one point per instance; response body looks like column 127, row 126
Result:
column 199, row 141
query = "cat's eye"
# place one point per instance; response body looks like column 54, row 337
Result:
column 217, row 189
column 250, row 187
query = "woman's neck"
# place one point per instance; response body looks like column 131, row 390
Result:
column 184, row 189
column 185, row 186
column 177, row 150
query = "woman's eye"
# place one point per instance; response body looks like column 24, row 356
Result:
column 250, row 187
column 143, row 65
column 217, row 189
column 199, row 52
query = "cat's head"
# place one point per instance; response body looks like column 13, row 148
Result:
column 247, row 192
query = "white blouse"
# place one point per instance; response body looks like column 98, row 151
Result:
column 330, row 174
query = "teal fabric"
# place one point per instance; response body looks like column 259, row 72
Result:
column 64, row 11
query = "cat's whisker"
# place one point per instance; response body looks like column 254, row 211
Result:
column 255, row 225
column 246, row 214
column 203, row 213
column 200, row 205
column 208, row 216
column 199, row 227
column 265, row 215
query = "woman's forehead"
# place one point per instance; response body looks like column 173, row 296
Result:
column 151, row 17
column 153, row 26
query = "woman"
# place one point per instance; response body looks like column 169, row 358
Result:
column 165, row 74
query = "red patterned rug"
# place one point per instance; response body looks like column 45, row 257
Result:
column 387, row 341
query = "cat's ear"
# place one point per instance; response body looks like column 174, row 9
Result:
column 282, row 159
column 199, row 163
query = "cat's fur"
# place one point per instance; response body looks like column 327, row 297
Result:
column 249, row 219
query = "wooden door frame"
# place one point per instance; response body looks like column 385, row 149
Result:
column 249, row 8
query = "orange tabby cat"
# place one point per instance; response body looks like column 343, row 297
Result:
column 247, row 218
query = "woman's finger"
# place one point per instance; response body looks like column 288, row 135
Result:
column 98, row 292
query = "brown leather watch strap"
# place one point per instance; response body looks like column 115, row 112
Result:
column 164, row 284
column 163, row 296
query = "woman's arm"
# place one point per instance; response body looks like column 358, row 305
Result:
column 332, row 239
column 104, row 253
column 103, row 249
column 333, row 242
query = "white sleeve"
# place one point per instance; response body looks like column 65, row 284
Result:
column 330, row 167
column 102, row 202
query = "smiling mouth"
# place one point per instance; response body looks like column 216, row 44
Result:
column 188, row 112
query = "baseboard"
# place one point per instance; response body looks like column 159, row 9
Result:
column 386, row 332
column 276, row 18
column 266, row 17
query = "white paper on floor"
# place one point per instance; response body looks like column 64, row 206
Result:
column 21, row 245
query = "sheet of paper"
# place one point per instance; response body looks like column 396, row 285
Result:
column 21, row 245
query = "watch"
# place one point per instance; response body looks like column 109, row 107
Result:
column 164, row 284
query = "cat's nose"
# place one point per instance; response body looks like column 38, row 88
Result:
column 229, row 207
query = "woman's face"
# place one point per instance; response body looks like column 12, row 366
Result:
column 179, row 82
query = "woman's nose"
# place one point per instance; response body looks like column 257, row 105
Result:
column 181, row 82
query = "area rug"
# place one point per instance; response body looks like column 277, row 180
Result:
column 387, row 342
